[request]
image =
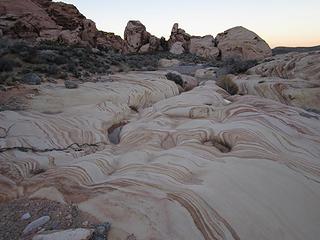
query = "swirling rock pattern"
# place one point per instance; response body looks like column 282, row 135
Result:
column 295, row 92
column 200, row 165
column 292, row 79
column 291, row 65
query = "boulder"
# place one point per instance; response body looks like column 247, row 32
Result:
column 137, row 37
column 31, row 79
column 145, row 48
column 178, row 35
column 71, row 84
column 243, row 44
column 207, row 73
column 110, row 40
column 177, row 48
column 35, row 225
column 204, row 47
column 166, row 63
column 89, row 33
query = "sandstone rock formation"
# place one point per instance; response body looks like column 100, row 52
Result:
column 240, row 43
column 47, row 20
column 178, row 39
column 291, row 65
column 204, row 47
column 212, row 165
column 177, row 48
column 137, row 38
column 293, row 79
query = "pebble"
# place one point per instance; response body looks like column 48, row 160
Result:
column 25, row 216
column 33, row 226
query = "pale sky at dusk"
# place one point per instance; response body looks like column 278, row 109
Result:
column 279, row 22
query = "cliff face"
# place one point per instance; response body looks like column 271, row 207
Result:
column 56, row 21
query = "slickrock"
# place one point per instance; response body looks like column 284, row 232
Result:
column 292, row 79
column 242, row 44
column 291, row 65
column 295, row 92
column 199, row 165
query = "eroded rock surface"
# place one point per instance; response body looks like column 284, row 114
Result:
column 47, row 20
column 292, row 79
column 243, row 44
column 204, row 47
column 291, row 65
column 210, row 164
column 137, row 39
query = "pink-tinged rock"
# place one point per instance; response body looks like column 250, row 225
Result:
column 177, row 48
column 137, row 37
column 178, row 35
column 243, row 44
column 292, row 65
column 203, row 47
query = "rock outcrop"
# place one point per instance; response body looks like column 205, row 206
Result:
column 137, row 39
column 293, row 79
column 178, row 35
column 200, row 161
column 55, row 21
column 291, row 65
column 243, row 44
column 204, row 47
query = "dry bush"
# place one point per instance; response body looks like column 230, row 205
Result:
column 228, row 84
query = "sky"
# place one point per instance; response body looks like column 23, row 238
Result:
column 279, row 22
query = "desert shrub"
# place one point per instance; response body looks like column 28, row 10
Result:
column 227, row 84
column 7, row 65
column 234, row 66
column 175, row 77
column 52, row 69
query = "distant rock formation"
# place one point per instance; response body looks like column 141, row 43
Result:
column 204, row 47
column 179, row 40
column 243, row 44
column 55, row 21
column 137, row 39
column 237, row 43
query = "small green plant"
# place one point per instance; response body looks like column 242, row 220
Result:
column 227, row 84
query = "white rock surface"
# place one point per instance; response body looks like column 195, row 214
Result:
column 33, row 226
column 71, row 234
column 188, row 166
column 165, row 63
